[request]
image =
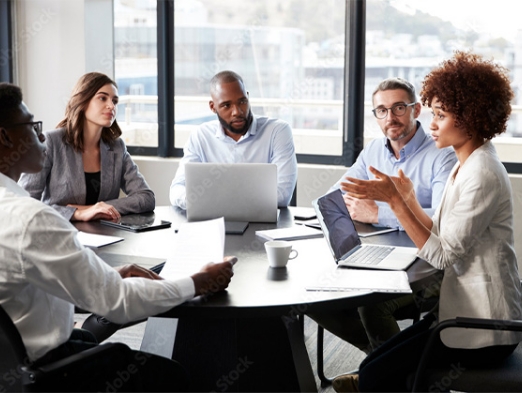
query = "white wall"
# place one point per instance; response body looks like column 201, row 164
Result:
column 51, row 39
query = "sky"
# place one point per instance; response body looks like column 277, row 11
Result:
column 499, row 18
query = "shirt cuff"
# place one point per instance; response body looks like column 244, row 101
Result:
column 430, row 248
column 186, row 287
column 386, row 218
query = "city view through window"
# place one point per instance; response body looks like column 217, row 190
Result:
column 291, row 54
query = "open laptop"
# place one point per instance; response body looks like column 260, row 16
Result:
column 237, row 192
column 345, row 244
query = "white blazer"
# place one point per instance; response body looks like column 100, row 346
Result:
column 472, row 240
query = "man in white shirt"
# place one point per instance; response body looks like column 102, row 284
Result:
column 46, row 271
column 238, row 136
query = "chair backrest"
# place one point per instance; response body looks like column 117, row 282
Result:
column 506, row 376
column 13, row 355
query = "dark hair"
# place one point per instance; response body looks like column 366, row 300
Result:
column 86, row 87
column 475, row 90
column 10, row 99
column 396, row 84
column 224, row 77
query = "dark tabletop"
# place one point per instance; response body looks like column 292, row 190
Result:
column 256, row 288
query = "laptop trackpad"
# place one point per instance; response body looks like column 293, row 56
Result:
column 398, row 258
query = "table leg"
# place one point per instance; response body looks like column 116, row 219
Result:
column 243, row 354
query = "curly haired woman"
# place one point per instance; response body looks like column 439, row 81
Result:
column 470, row 236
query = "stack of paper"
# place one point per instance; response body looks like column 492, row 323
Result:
column 296, row 232
column 342, row 279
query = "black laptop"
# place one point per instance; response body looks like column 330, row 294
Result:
column 344, row 241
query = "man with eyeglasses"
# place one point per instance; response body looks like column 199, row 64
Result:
column 405, row 146
column 46, row 271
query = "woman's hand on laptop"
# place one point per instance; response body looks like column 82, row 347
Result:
column 214, row 277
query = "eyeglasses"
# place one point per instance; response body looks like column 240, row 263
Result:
column 397, row 109
column 37, row 126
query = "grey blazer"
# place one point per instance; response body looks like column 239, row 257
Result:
column 62, row 179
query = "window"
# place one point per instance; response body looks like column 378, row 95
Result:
column 136, row 70
column 407, row 38
column 290, row 53
column 294, row 58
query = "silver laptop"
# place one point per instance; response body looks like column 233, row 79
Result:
column 237, row 192
column 345, row 244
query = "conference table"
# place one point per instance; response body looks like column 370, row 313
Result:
column 249, row 337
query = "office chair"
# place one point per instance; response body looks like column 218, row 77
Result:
column 504, row 377
column 293, row 200
column 413, row 311
column 17, row 373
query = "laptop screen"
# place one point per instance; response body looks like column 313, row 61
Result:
column 338, row 227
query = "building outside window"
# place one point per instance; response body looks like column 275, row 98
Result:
column 291, row 54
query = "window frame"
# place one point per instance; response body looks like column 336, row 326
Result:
column 6, row 41
column 353, row 114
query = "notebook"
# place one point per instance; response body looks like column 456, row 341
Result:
column 237, row 192
column 345, row 243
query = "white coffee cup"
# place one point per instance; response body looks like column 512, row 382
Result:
column 279, row 252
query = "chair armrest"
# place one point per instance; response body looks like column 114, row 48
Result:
column 491, row 324
column 465, row 323
column 49, row 372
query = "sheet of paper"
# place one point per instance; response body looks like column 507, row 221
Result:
column 195, row 245
column 94, row 240
column 343, row 279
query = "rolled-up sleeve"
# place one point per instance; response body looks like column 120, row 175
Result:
column 59, row 265
column 283, row 155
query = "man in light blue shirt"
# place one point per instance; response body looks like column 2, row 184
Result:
column 405, row 146
column 238, row 136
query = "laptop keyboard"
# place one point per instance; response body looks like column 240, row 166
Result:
column 369, row 255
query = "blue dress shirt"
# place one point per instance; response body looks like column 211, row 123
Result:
column 427, row 166
column 266, row 141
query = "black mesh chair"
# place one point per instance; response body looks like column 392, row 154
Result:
column 422, row 304
column 503, row 377
column 17, row 373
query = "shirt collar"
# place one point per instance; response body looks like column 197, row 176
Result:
column 220, row 132
column 12, row 186
column 413, row 145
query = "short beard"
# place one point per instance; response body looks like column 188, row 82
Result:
column 239, row 131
